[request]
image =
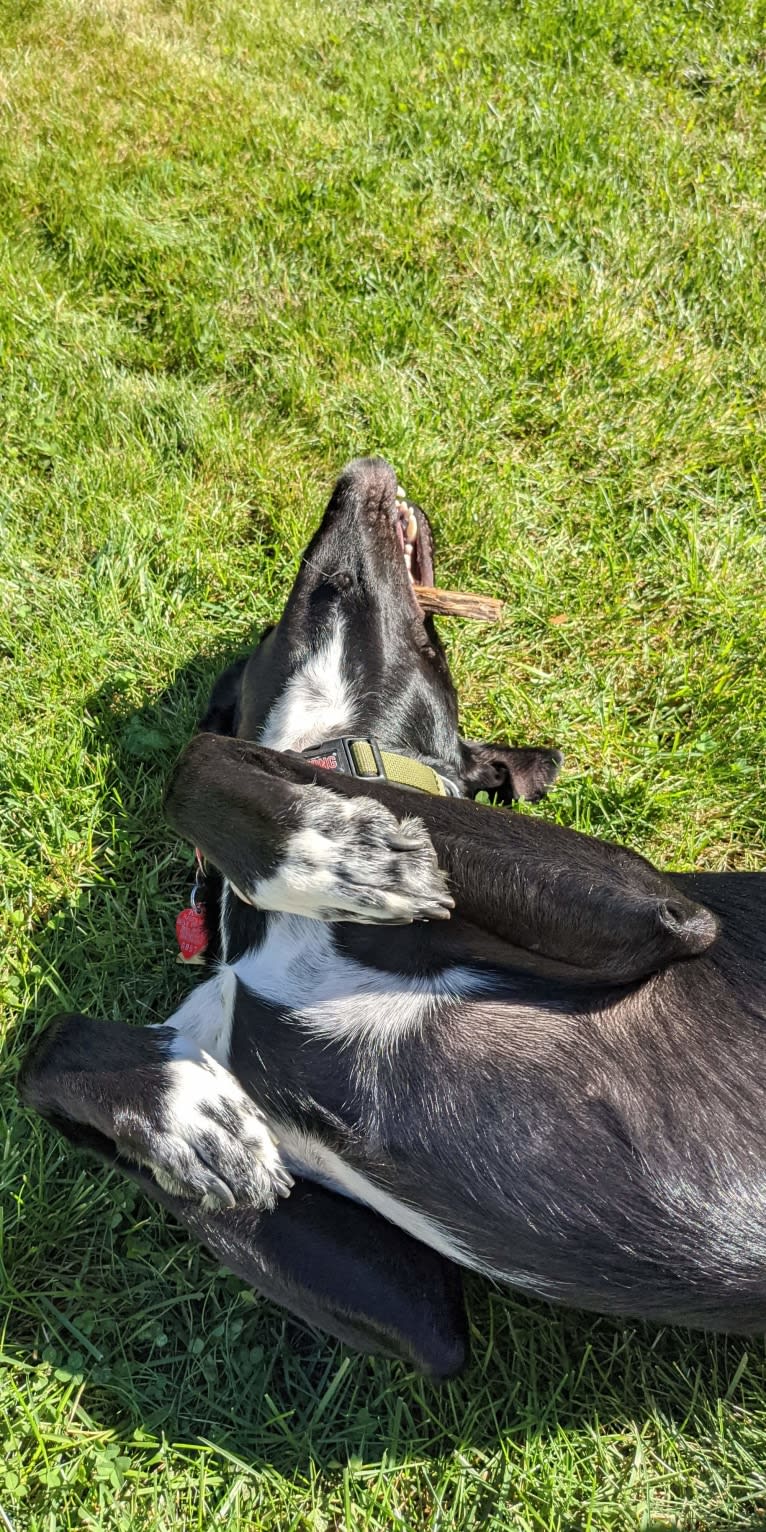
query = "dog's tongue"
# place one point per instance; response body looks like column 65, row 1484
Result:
column 454, row 603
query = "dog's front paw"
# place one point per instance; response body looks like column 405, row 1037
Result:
column 352, row 859
column 204, row 1138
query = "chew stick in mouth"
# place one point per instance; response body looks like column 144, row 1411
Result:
column 453, row 603
column 418, row 561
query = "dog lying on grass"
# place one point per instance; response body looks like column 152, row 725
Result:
column 436, row 1035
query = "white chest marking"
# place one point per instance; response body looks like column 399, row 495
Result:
column 205, row 1016
column 317, row 702
column 335, row 997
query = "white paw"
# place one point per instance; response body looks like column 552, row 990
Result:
column 206, row 1140
column 355, row 861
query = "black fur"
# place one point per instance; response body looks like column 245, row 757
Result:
column 591, row 1123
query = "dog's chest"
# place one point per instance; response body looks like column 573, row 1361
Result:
column 341, row 1034
column 299, row 968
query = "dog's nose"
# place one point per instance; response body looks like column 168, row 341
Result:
column 371, row 480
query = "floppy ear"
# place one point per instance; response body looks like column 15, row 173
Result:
column 509, row 773
column 222, row 712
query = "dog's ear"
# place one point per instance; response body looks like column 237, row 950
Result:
column 222, row 711
column 508, row 773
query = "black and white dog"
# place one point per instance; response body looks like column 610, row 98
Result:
column 437, row 1035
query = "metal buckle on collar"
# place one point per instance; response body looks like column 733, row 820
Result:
column 337, row 755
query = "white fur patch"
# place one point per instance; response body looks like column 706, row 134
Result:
column 213, row 1143
column 354, row 860
column 316, row 703
column 204, row 1018
column 335, row 997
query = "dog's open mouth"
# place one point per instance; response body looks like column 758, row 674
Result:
column 413, row 534
column 414, row 537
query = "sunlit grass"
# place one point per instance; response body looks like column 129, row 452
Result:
column 519, row 250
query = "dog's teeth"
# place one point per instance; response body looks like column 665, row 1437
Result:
column 400, row 495
column 411, row 531
column 408, row 559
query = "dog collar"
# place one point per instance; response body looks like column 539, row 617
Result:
column 365, row 759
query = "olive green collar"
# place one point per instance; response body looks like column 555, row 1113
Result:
column 365, row 759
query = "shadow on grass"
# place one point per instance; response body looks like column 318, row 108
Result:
column 109, row 1292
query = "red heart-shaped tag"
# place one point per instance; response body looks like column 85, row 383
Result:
column 191, row 933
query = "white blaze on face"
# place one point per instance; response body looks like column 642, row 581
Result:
column 317, row 702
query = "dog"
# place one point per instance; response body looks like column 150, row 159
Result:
column 437, row 1035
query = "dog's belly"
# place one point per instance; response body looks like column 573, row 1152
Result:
column 614, row 1161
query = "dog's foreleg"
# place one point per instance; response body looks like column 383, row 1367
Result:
column 598, row 910
column 110, row 1089
column 300, row 849
column 152, row 1097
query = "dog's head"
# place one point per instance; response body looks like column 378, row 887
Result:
column 353, row 653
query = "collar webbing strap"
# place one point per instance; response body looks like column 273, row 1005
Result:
column 403, row 769
column 364, row 758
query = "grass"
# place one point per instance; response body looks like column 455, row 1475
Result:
column 518, row 248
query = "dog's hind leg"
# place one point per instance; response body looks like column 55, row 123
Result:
column 328, row 1260
column 341, row 1267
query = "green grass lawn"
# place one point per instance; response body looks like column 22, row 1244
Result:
column 519, row 249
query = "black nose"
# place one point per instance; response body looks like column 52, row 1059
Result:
column 370, row 481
